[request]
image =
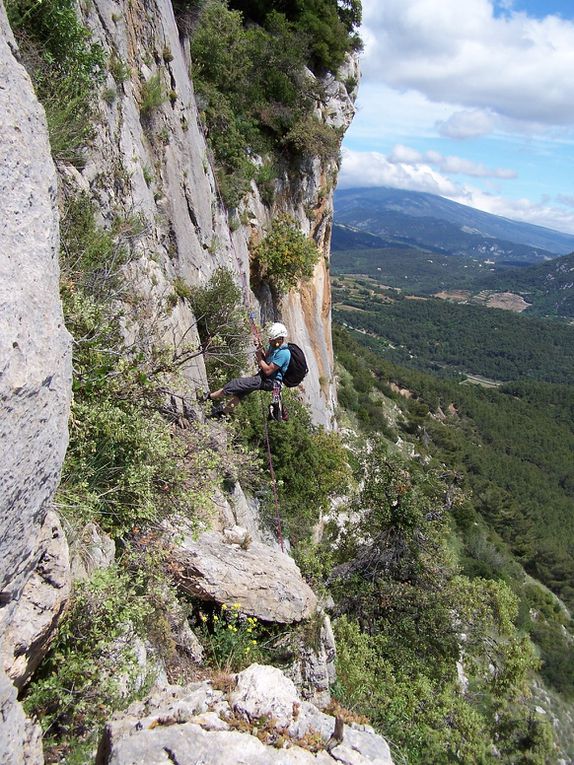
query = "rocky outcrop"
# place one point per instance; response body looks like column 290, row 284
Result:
column 307, row 310
column 92, row 550
column 20, row 738
column 35, row 362
column 265, row 582
column 43, row 599
column 313, row 671
column 258, row 719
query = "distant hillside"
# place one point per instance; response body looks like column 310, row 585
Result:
column 431, row 222
column 549, row 287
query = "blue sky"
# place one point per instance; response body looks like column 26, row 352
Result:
column 469, row 99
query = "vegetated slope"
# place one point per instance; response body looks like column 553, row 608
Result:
column 549, row 287
column 427, row 333
column 421, row 271
column 411, row 216
column 528, row 424
column 517, row 445
column 507, row 451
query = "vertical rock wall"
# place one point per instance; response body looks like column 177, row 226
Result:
column 155, row 163
column 35, row 361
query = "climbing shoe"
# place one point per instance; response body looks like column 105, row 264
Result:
column 275, row 412
column 217, row 411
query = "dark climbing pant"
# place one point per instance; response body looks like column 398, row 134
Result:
column 243, row 386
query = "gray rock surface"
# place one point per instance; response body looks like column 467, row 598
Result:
column 158, row 166
column 20, row 738
column 314, row 670
column 93, row 550
column 199, row 724
column 265, row 582
column 35, row 361
column 43, row 599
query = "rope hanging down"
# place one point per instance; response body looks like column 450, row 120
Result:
column 257, row 336
column 255, row 332
column 273, row 483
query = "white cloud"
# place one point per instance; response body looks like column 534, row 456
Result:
column 469, row 123
column 361, row 169
column 449, row 164
column 543, row 213
column 460, row 52
column 370, row 168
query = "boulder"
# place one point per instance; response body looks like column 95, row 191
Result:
column 265, row 582
column 43, row 599
column 259, row 720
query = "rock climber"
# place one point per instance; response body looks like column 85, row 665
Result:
column 272, row 363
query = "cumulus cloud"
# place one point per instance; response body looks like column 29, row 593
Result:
column 361, row 169
column 510, row 64
column 542, row 213
column 469, row 123
column 447, row 164
column 370, row 168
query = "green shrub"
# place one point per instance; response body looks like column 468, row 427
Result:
column 311, row 466
column 125, row 465
column 329, row 26
column 285, row 255
column 62, row 41
column 231, row 639
column 119, row 69
column 405, row 611
column 311, row 138
column 91, row 668
column 66, row 69
column 253, row 91
column 424, row 721
column 152, row 95
column 182, row 289
column 222, row 326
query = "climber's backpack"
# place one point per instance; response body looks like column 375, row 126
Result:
column 297, row 368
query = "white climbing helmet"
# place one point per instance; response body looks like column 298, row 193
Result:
column 277, row 330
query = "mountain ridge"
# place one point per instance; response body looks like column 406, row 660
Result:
column 383, row 211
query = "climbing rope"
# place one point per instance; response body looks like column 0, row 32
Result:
column 278, row 525
column 257, row 336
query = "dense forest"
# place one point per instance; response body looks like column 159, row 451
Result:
column 507, row 451
column 451, row 338
column 547, row 288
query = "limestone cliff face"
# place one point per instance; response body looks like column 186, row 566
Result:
column 150, row 166
column 156, row 165
column 35, row 360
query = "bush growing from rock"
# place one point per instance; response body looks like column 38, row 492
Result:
column 285, row 256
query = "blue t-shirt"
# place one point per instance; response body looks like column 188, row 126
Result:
column 281, row 357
